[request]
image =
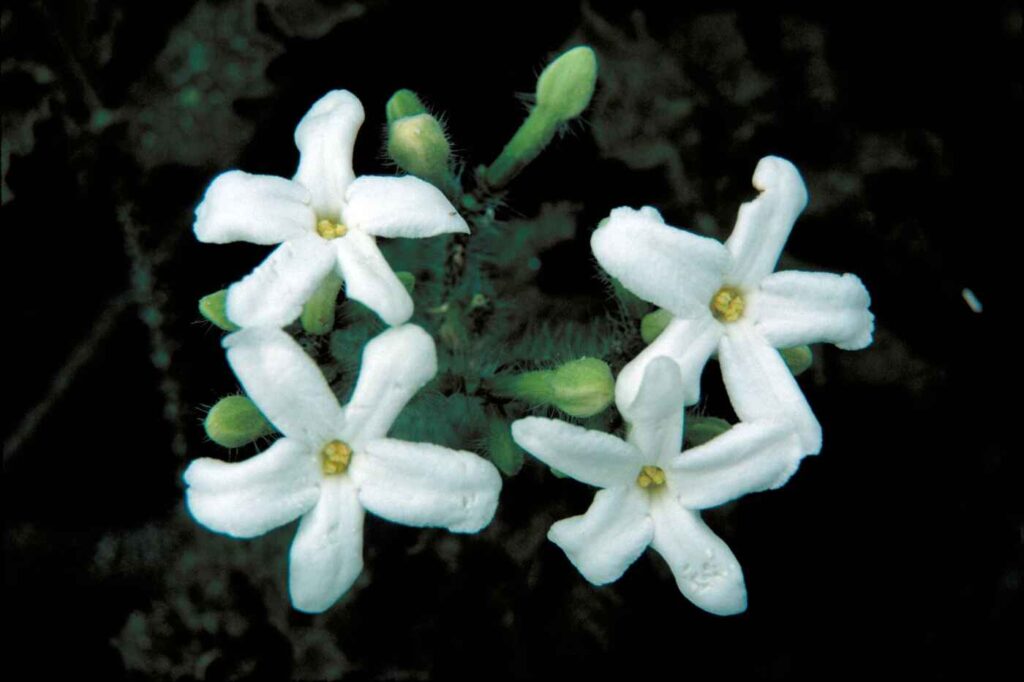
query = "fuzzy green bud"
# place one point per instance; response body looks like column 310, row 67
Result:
column 236, row 421
column 402, row 104
column 318, row 312
column 419, row 146
column 798, row 359
column 653, row 324
column 214, row 308
column 501, row 449
column 700, row 430
column 580, row 388
column 565, row 87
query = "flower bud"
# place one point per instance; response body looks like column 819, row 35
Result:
column 565, row 87
column 580, row 388
column 502, row 450
column 419, row 147
column 700, row 430
column 798, row 359
column 214, row 308
column 403, row 103
column 318, row 312
column 235, row 421
column 653, row 324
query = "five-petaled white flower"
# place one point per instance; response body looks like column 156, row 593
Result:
column 727, row 299
column 652, row 493
column 325, row 220
column 333, row 462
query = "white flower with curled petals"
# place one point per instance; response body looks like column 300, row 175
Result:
column 333, row 462
column 651, row 494
column 727, row 299
column 325, row 220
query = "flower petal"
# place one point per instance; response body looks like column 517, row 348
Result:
column 327, row 554
column 760, row 385
column 261, row 209
column 690, row 342
column 672, row 268
column 285, row 383
column 246, row 499
column 273, row 294
column 748, row 458
column 794, row 308
column 419, row 484
column 763, row 225
column 370, row 280
column 395, row 364
column 399, row 207
column 593, row 457
column 705, row 569
column 606, row 540
column 656, row 416
column 325, row 137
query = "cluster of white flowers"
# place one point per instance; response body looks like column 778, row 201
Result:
column 333, row 462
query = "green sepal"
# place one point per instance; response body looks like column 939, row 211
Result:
column 318, row 312
column 653, row 324
column 700, row 430
column 798, row 358
column 236, row 421
column 501, row 449
column 214, row 308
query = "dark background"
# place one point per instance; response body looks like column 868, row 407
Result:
column 897, row 551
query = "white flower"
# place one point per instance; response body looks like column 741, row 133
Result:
column 333, row 462
column 726, row 299
column 651, row 493
column 325, row 220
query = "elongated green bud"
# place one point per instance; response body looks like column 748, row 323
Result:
column 798, row 358
column 580, row 388
column 403, row 103
column 318, row 312
column 700, row 430
column 567, row 84
column 214, row 308
column 419, row 146
column 653, row 324
column 236, row 421
column 501, row 449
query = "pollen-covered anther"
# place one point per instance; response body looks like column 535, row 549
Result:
column 329, row 229
column 651, row 477
column 727, row 304
column 335, row 457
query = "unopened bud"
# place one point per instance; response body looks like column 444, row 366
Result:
column 419, row 146
column 653, row 324
column 501, row 449
column 318, row 312
column 700, row 430
column 214, row 308
column 798, row 358
column 565, row 87
column 236, row 421
column 403, row 103
column 580, row 388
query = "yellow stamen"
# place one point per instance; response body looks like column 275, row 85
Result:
column 650, row 475
column 335, row 457
column 331, row 230
column 727, row 304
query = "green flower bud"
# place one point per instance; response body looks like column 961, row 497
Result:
column 567, row 84
column 236, row 421
column 501, row 449
column 214, row 308
column 419, row 147
column 653, row 324
column 407, row 279
column 318, row 312
column 798, row 358
column 580, row 388
column 403, row 103
column 700, row 430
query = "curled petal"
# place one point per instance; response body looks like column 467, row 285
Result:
column 419, row 484
column 325, row 137
column 591, row 457
column 704, row 567
column 246, row 499
column 608, row 538
column 261, row 209
column 273, row 294
column 748, row 458
column 763, row 225
column 672, row 268
column 286, row 384
column 327, row 554
column 656, row 416
column 370, row 280
column 395, row 364
column 399, row 207
column 794, row 308
column 690, row 342
column 760, row 386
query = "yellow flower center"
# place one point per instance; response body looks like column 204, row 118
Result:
column 651, row 477
column 335, row 458
column 727, row 304
column 328, row 229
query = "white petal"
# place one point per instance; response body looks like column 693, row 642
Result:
column 605, row 541
column 763, row 225
column 399, row 207
column 690, row 342
column 656, row 416
column 760, row 385
column 285, row 383
column 672, row 268
column 592, row 457
column 325, row 137
column 748, row 458
column 794, row 308
column 261, row 209
column 246, row 499
column 273, row 294
column 419, row 484
column 705, row 569
column 370, row 280
column 327, row 554
column 395, row 364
